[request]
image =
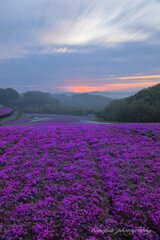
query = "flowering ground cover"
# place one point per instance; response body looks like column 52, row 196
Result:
column 4, row 111
column 81, row 181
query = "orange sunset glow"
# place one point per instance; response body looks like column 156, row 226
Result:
column 109, row 87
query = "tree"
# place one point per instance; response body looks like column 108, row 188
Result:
column 142, row 107
column 9, row 96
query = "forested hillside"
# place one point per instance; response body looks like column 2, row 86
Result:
column 41, row 102
column 142, row 107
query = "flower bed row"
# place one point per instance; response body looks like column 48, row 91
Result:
column 80, row 182
column 5, row 112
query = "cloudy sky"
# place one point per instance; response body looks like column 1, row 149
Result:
column 79, row 45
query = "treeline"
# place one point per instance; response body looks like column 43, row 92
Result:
column 29, row 102
column 40, row 102
column 142, row 107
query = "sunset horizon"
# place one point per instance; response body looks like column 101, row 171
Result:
column 86, row 46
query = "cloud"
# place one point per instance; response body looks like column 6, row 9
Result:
column 67, row 23
column 52, row 44
column 104, row 23
column 50, row 72
column 140, row 77
column 11, row 51
column 90, row 31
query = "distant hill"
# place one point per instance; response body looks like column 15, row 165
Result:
column 114, row 95
column 42, row 102
column 144, row 106
column 83, row 101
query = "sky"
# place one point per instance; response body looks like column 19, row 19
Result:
column 79, row 45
